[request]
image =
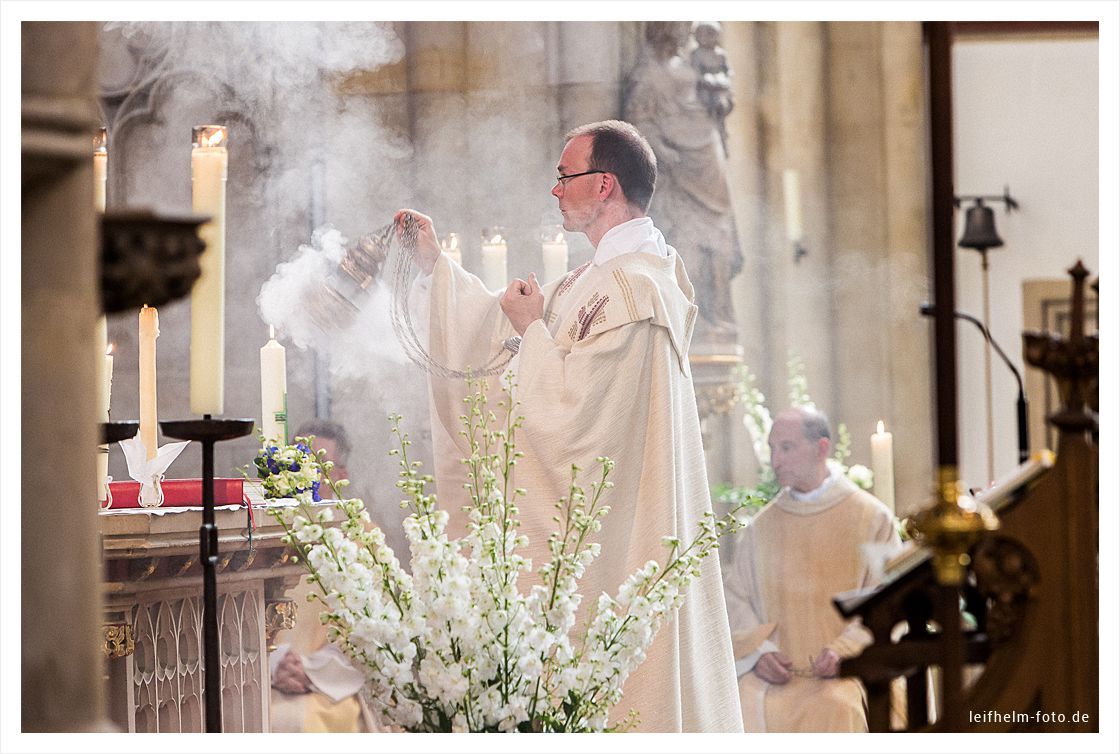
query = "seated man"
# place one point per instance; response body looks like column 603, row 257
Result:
column 800, row 550
column 314, row 686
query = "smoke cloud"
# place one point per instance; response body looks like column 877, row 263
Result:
column 359, row 342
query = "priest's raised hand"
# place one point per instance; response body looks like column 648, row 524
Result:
column 427, row 244
column 523, row 302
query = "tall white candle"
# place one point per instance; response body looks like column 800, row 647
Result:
column 100, row 168
column 882, row 464
column 274, row 390
column 450, row 246
column 209, row 162
column 494, row 274
column 104, row 391
column 102, row 344
column 791, row 192
column 554, row 254
column 107, row 384
column 149, row 331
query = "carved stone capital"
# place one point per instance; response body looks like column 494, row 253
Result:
column 279, row 615
column 116, row 640
column 717, row 400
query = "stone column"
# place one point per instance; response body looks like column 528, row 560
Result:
column 858, row 206
column 908, row 376
column 511, row 151
column 62, row 663
column 803, row 307
column 746, row 170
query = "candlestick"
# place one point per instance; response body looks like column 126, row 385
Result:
column 209, row 162
column 450, row 247
column 274, row 390
column 100, row 168
column 554, row 253
column 791, row 191
column 882, row 464
column 149, row 331
column 494, row 274
column 209, row 431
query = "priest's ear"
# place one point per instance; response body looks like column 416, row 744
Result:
column 824, row 447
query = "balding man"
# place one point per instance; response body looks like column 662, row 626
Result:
column 799, row 551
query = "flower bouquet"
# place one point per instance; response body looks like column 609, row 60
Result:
column 457, row 645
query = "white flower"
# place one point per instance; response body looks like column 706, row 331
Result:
column 861, row 476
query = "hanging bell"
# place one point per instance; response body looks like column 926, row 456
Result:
column 980, row 228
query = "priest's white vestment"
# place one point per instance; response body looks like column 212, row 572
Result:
column 604, row 373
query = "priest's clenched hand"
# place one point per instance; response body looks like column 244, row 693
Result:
column 827, row 664
column 774, row 667
column 427, row 245
column 290, row 676
column 523, row 303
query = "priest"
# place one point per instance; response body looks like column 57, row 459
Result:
column 602, row 370
column 820, row 536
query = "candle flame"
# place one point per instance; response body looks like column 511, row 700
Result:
column 451, row 242
column 559, row 238
column 879, row 427
column 101, row 141
column 493, row 235
column 208, row 136
column 271, row 332
column 109, row 350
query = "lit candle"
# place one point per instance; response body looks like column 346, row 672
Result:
column 494, row 274
column 274, row 390
column 209, row 161
column 791, row 191
column 149, row 331
column 450, row 246
column 100, row 168
column 554, row 254
column 882, row 464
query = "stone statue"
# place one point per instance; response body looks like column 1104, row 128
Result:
column 714, row 86
column 692, row 203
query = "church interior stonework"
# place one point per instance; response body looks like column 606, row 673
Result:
column 890, row 225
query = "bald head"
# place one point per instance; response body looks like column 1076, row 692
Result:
column 800, row 442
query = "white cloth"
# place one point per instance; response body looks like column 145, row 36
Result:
column 638, row 234
column 329, row 671
column 605, row 373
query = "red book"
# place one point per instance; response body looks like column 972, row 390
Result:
column 180, row 492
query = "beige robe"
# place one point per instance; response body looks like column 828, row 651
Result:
column 789, row 562
column 605, row 373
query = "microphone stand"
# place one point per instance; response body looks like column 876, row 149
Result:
column 1021, row 405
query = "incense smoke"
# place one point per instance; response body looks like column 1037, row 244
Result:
column 358, row 341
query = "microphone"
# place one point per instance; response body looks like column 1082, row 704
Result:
column 927, row 310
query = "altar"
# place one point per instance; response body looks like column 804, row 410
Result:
column 152, row 614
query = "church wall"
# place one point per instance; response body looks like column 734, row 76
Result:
column 1025, row 115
